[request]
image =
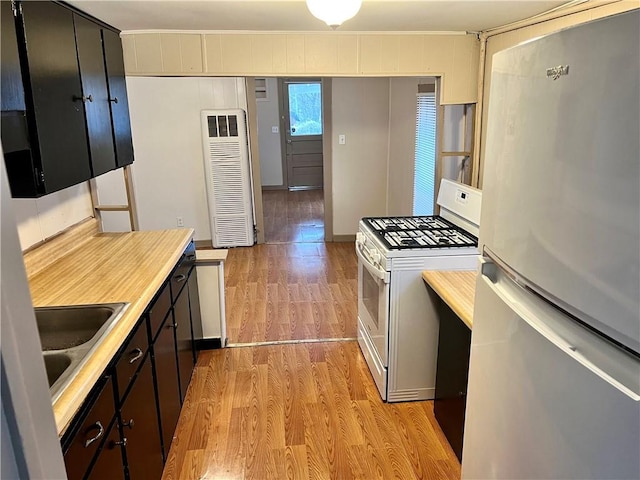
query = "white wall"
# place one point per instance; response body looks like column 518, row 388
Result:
column 41, row 218
column 168, row 173
column 268, row 113
column 360, row 110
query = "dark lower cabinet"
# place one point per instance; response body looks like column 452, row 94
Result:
column 95, row 419
column 194, row 308
column 184, row 340
column 166, row 371
column 125, row 428
column 454, row 347
column 139, row 422
column 108, row 465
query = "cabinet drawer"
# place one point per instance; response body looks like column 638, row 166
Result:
column 181, row 273
column 131, row 358
column 159, row 310
column 179, row 278
column 91, row 434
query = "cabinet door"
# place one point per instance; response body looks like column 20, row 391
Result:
column 194, row 308
column 15, row 137
column 121, row 124
column 454, row 347
column 90, row 435
column 166, row 370
column 139, row 418
column 56, row 95
column 96, row 96
column 109, row 464
column 184, row 340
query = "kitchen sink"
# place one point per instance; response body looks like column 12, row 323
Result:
column 66, row 327
column 69, row 335
column 56, row 364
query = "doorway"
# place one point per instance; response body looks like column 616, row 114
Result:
column 290, row 141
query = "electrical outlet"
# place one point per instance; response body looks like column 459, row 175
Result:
column 275, row 129
column 342, row 139
column 180, row 221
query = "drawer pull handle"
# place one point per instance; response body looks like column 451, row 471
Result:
column 138, row 355
column 173, row 325
column 85, row 99
column 129, row 424
column 180, row 278
column 114, row 99
column 123, row 442
column 100, row 428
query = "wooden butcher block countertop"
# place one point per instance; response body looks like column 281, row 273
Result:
column 457, row 288
column 107, row 268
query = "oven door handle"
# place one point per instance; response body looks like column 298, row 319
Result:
column 371, row 268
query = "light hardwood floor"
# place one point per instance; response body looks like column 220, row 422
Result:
column 291, row 292
column 305, row 411
column 293, row 216
column 298, row 411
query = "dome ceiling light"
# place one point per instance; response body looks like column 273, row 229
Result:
column 334, row 12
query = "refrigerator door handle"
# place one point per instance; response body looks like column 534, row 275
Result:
column 610, row 363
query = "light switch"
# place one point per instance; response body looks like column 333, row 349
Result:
column 342, row 139
column 275, row 129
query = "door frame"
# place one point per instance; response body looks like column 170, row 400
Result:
column 326, row 157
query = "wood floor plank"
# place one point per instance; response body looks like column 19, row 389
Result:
column 286, row 411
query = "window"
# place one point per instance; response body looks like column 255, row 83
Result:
column 305, row 108
column 425, row 163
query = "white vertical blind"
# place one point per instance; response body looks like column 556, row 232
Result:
column 425, row 166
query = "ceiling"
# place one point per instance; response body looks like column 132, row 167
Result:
column 292, row 15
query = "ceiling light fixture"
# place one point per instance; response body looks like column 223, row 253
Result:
column 334, row 12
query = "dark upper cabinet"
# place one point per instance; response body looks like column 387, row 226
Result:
column 114, row 64
column 95, row 95
column 61, row 76
column 54, row 97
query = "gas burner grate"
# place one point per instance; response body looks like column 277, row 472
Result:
column 419, row 232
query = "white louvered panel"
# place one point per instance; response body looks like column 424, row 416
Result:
column 228, row 188
column 228, row 177
column 231, row 230
column 224, row 150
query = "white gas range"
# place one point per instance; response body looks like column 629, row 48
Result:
column 397, row 321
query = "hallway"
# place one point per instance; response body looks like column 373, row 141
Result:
column 293, row 216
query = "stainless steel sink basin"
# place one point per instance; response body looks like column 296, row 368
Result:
column 66, row 327
column 56, row 364
column 69, row 335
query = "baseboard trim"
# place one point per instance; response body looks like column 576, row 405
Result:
column 208, row 344
column 344, row 238
column 274, row 187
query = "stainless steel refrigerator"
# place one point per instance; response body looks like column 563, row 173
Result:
column 554, row 379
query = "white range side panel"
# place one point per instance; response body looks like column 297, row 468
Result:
column 228, row 177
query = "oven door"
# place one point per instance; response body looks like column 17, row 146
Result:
column 373, row 300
